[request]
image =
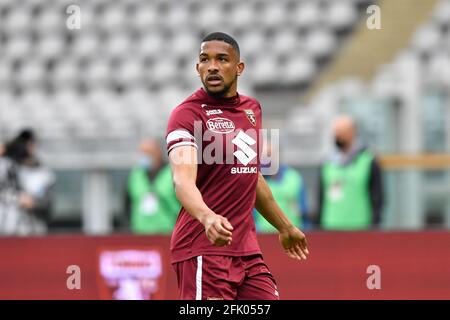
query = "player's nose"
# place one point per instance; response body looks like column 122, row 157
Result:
column 213, row 67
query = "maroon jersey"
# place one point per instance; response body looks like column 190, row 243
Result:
column 225, row 132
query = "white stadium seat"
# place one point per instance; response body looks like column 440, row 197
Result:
column 439, row 67
column 31, row 73
column 340, row 14
column 18, row 46
column 265, row 71
column 286, row 41
column 85, row 44
column 320, row 42
column 306, row 14
column 298, row 69
column 442, row 13
column 242, row 14
column 51, row 20
column 18, row 21
column 66, row 71
column 273, row 14
column 51, row 46
column 427, row 38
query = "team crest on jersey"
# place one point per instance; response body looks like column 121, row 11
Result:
column 251, row 117
column 220, row 125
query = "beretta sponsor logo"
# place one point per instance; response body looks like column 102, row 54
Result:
column 220, row 125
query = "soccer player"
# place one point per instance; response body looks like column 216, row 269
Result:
column 214, row 248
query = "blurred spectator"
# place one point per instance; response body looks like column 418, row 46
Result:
column 151, row 202
column 25, row 188
column 350, row 188
column 289, row 191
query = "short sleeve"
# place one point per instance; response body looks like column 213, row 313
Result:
column 180, row 128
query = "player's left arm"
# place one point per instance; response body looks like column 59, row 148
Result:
column 291, row 238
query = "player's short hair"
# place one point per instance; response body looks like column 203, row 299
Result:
column 220, row 36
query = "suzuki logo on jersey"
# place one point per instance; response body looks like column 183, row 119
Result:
column 220, row 125
column 246, row 153
column 235, row 170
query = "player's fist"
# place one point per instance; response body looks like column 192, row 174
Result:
column 218, row 230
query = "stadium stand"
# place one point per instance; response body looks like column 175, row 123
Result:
column 124, row 47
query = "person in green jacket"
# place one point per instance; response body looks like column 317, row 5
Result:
column 151, row 202
column 350, row 184
column 289, row 191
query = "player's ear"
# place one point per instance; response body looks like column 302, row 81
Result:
column 240, row 68
column 196, row 68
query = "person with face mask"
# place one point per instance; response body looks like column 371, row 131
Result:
column 350, row 183
column 151, row 204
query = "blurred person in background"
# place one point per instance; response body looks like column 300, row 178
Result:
column 25, row 188
column 350, row 186
column 289, row 191
column 151, row 203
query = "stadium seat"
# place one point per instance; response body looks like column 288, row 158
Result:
column 113, row 18
column 306, row 14
column 17, row 20
column 145, row 17
column 320, row 42
column 286, row 41
column 427, row 38
column 265, row 71
column 51, row 46
column 118, row 45
column 273, row 14
column 298, row 69
column 210, row 16
column 97, row 71
column 50, row 20
column 438, row 68
column 151, row 44
column 243, row 15
column 65, row 72
column 85, row 45
column 179, row 17
column 340, row 15
column 31, row 73
column 254, row 40
column 18, row 47
column 442, row 13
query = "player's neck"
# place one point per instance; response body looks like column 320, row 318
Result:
column 230, row 96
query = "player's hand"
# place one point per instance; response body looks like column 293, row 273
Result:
column 218, row 230
column 294, row 243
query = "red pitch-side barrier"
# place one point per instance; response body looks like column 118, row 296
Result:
column 353, row 265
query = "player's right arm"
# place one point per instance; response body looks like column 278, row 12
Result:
column 183, row 161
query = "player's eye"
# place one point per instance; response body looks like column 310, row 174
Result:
column 203, row 59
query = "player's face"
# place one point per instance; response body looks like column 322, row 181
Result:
column 219, row 67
